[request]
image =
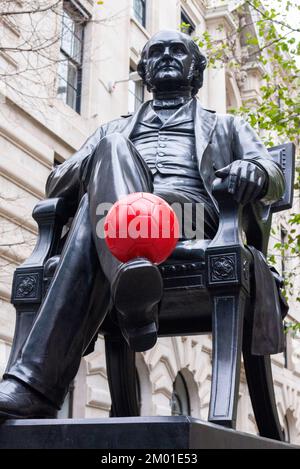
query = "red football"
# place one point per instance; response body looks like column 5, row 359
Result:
column 141, row 225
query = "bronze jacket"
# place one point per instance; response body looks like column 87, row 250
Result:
column 220, row 139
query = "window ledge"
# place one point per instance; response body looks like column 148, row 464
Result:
column 141, row 28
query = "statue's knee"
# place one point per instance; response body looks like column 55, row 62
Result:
column 112, row 150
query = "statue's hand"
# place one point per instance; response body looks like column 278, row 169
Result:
column 246, row 180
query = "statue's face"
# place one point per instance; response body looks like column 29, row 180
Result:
column 168, row 60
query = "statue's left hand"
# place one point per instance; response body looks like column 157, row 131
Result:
column 246, row 180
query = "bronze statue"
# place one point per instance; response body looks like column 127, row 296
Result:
column 172, row 147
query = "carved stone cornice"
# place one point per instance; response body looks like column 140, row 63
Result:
column 221, row 12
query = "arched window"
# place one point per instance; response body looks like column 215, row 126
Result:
column 180, row 401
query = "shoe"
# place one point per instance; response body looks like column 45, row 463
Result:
column 19, row 401
column 136, row 291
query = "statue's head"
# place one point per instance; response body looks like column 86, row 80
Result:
column 171, row 60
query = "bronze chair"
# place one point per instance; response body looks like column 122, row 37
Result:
column 206, row 289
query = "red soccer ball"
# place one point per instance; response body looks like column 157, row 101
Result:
column 141, row 225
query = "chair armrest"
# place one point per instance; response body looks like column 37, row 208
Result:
column 230, row 216
column 284, row 155
column 50, row 215
column 28, row 287
column 227, row 260
column 229, row 232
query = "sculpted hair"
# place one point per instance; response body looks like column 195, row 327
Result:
column 197, row 69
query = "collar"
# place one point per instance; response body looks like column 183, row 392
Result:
column 204, row 122
column 170, row 103
column 184, row 114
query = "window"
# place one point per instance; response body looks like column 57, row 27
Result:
column 180, row 401
column 187, row 25
column 71, row 51
column 139, row 11
column 136, row 92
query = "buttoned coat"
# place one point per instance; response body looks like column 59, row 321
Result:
column 220, row 139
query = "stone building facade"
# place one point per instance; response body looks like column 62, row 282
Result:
column 48, row 109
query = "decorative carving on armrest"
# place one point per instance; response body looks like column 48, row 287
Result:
column 26, row 286
column 223, row 268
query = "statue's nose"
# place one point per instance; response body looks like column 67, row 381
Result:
column 167, row 51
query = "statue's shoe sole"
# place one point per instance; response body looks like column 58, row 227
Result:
column 11, row 416
column 138, row 290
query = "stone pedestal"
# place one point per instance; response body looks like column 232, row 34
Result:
column 127, row 433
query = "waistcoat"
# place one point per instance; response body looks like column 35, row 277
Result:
column 169, row 150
